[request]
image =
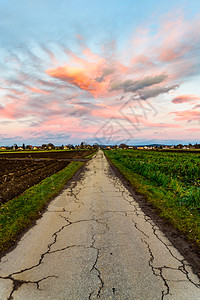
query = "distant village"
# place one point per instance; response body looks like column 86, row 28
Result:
column 48, row 146
column 155, row 147
column 83, row 145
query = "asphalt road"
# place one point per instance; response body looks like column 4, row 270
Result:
column 94, row 242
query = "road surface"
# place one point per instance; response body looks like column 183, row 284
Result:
column 94, row 242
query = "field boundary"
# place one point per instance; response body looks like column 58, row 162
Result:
column 20, row 213
column 185, row 244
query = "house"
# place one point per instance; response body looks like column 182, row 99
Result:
column 3, row 148
column 35, row 148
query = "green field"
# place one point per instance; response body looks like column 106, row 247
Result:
column 170, row 181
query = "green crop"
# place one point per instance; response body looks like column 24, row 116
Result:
column 175, row 172
column 169, row 180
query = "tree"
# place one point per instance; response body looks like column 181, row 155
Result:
column 51, row 146
column 95, row 146
column 82, row 145
column 44, row 146
column 70, row 146
column 197, row 146
column 23, row 146
column 123, row 146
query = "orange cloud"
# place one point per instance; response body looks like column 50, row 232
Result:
column 84, row 76
column 75, row 76
column 88, row 71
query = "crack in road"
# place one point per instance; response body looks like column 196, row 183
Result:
column 94, row 267
column 136, row 226
column 99, row 225
column 181, row 268
column 18, row 283
column 164, row 293
column 73, row 194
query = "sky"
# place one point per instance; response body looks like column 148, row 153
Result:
column 104, row 71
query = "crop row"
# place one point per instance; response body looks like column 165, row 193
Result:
column 176, row 173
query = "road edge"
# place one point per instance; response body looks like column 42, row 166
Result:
column 190, row 252
column 77, row 175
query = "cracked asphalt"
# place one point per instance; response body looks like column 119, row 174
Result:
column 94, row 242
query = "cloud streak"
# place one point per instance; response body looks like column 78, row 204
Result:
column 186, row 99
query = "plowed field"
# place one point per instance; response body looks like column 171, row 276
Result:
column 19, row 171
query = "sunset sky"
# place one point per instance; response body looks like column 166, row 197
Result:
column 106, row 71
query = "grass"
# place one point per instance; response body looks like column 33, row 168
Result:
column 20, row 212
column 90, row 155
column 170, row 181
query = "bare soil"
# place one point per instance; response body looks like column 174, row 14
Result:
column 18, row 175
column 19, row 171
column 48, row 154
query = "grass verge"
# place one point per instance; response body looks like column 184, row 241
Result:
column 164, row 201
column 20, row 212
column 90, row 155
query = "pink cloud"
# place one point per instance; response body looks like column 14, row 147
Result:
column 185, row 99
column 172, row 49
column 187, row 115
column 168, row 54
column 193, row 129
column 37, row 90
column 154, row 65
column 12, row 110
